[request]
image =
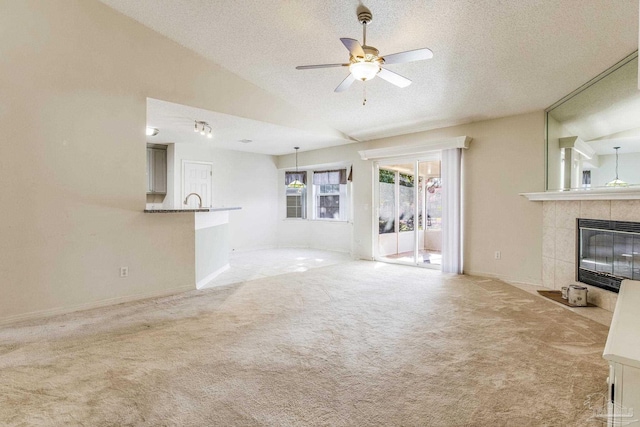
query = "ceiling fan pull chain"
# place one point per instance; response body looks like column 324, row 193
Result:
column 364, row 93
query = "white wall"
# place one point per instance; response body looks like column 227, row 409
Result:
column 247, row 180
column 433, row 239
column 506, row 158
column 628, row 169
column 309, row 233
column 74, row 79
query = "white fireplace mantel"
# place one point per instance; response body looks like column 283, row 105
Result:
column 610, row 193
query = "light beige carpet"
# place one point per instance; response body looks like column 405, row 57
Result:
column 355, row 344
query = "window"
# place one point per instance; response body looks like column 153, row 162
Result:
column 407, row 208
column 387, row 207
column 330, row 194
column 434, row 203
column 586, row 179
column 296, row 196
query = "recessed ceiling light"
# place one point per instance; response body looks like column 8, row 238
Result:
column 245, row 141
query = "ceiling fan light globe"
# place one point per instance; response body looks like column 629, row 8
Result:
column 364, row 70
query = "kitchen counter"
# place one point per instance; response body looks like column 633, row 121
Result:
column 191, row 210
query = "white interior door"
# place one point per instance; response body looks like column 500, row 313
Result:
column 197, row 178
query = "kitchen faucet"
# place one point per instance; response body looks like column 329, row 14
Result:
column 186, row 199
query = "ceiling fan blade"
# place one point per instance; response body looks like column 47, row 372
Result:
column 393, row 78
column 310, row 67
column 354, row 47
column 408, row 56
column 345, row 83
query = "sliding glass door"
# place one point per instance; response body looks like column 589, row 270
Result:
column 396, row 213
column 409, row 212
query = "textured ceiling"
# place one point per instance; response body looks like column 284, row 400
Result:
column 175, row 123
column 492, row 58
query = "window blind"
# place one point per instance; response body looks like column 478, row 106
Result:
column 301, row 176
column 330, row 177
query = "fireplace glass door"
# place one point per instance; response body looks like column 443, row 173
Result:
column 610, row 252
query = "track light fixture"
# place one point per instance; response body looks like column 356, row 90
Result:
column 204, row 128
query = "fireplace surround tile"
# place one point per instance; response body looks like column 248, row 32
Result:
column 625, row 210
column 548, row 272
column 566, row 214
column 598, row 296
column 595, row 209
column 549, row 214
column 549, row 242
column 565, row 244
column 565, row 274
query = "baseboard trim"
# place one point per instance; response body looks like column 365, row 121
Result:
column 319, row 248
column 202, row 284
column 503, row 277
column 33, row 315
column 254, row 248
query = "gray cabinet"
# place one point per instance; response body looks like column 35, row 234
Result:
column 156, row 170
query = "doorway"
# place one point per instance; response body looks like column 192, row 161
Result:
column 409, row 211
column 197, row 178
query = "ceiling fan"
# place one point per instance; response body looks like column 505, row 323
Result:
column 365, row 61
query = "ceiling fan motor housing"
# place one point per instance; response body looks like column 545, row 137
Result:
column 364, row 15
column 371, row 53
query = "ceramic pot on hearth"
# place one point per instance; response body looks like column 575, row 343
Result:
column 577, row 296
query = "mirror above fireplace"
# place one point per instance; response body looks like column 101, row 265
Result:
column 584, row 128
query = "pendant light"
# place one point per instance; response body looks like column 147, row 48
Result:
column 296, row 183
column 616, row 182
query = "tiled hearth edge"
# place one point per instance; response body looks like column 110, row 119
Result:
column 559, row 240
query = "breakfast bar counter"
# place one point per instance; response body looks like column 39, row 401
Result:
column 211, row 226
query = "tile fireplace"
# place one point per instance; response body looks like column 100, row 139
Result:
column 560, row 249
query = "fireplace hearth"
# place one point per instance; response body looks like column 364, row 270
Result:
column 608, row 252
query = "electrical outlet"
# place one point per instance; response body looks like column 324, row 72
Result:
column 498, row 255
column 124, row 271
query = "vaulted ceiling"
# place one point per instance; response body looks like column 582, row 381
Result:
column 492, row 58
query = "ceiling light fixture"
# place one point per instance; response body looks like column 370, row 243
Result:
column 365, row 62
column 616, row 182
column 296, row 183
column 204, row 128
column 364, row 70
column 152, row 131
